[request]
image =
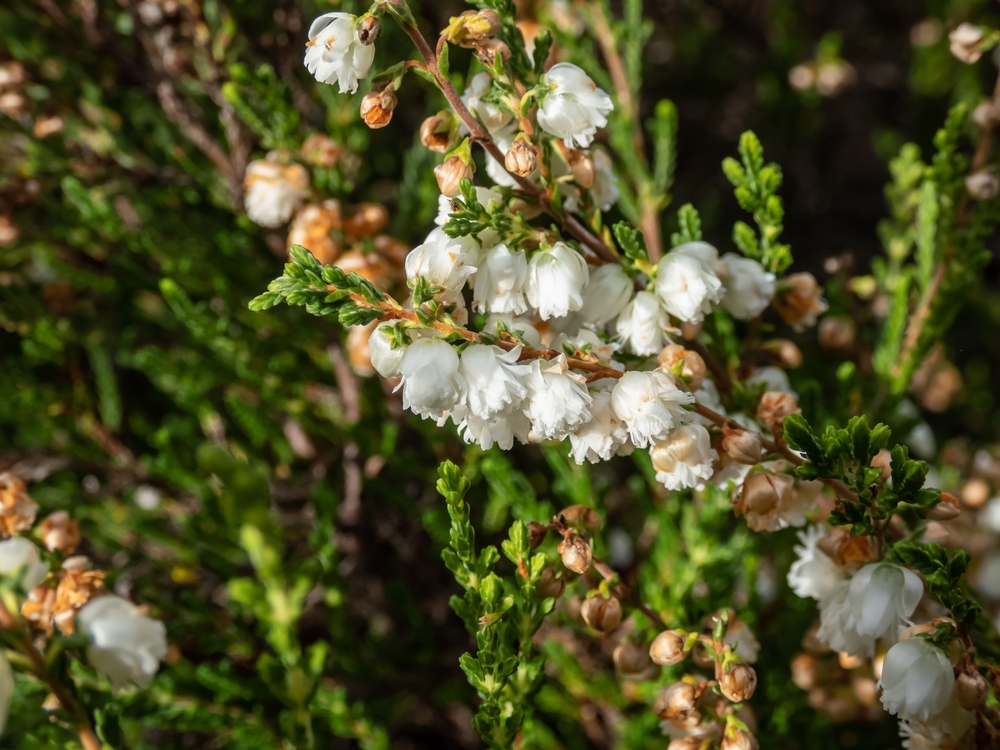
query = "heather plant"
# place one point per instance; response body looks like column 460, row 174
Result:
column 544, row 461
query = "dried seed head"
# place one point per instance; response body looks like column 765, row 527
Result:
column 738, row 683
column 437, row 132
column 520, row 158
column 677, row 701
column 983, row 185
column 964, row 42
column 550, row 586
column 377, row 106
column 836, row 334
column 742, row 446
column 368, row 29
column 677, row 360
column 601, row 614
column 487, row 51
column 450, row 175
column 630, row 659
column 669, row 647
column 739, row 740
column 576, row 553
column 971, row 690
column 774, row 407
column 60, row 533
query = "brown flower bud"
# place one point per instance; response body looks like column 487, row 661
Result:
column 11, row 74
column 738, row 683
column 742, row 446
column 975, row 492
column 630, row 659
column 762, row 497
column 9, row 231
column 487, row 51
column 836, row 334
column 601, row 614
column 450, row 175
column 946, row 510
column 687, row 743
column 359, row 355
column 312, row 227
column 971, row 690
column 678, row 700
column 436, row 133
column 987, row 113
column 581, row 166
column 805, row 671
column 377, row 106
column 690, row 331
column 13, row 104
column 46, row 126
column 850, row 552
column 520, row 158
column 774, row 407
column 692, row 368
column 365, row 220
column 367, row 30
column 549, row 586
column 982, row 185
column 964, row 42
column 669, row 647
column 799, row 300
column 739, row 740
column 367, row 265
column 321, row 150
column 785, row 353
column 60, row 532
column 576, row 553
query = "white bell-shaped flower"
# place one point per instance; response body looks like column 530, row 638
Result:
column 883, row 597
column 749, row 288
column 334, row 53
column 686, row 281
column 573, row 108
column 684, row 460
column 432, row 385
column 606, row 295
column 834, row 628
column 650, row 404
column 445, row 262
column 555, row 282
column 917, row 679
column 494, row 379
column 603, row 436
column 604, row 191
column 126, row 645
column 500, row 280
column 813, row 574
column 487, row 199
column 19, row 556
column 942, row 731
column 492, row 115
column 643, row 324
column 500, row 429
column 514, row 324
column 383, row 357
column 558, row 401
column 273, row 191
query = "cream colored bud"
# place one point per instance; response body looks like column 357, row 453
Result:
column 739, row 740
column 799, row 300
column 693, row 368
column 576, row 553
column 785, row 353
column 436, row 133
column 486, row 52
column 377, row 107
column 60, row 533
column 365, row 220
column 971, row 690
column 805, row 671
column 630, row 659
column 964, row 42
column 738, row 683
column 549, row 586
column 742, row 446
column 367, row 30
column 836, row 334
column 450, row 175
column 982, row 185
column 669, row 647
column 581, row 166
column 520, row 158
column 946, row 510
column 774, row 407
column 678, row 700
column 763, row 495
column 601, row 614
column 690, row 331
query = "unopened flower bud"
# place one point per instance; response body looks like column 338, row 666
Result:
column 971, row 690
column 805, row 671
column 450, row 174
column 9, row 231
column 946, row 510
column 549, row 586
column 738, row 683
column 581, row 166
column 799, row 300
column 601, row 614
column 982, row 185
column 836, row 334
column 576, row 553
column 742, row 446
column 774, row 407
column 739, row 740
column 785, row 353
column 964, row 42
column 987, row 113
column 521, row 158
column 630, row 659
column 487, row 51
column 13, row 104
column 322, row 151
column 669, row 647
column 436, row 133
column 692, row 368
column 365, row 220
column 11, row 74
column 377, row 106
column 762, row 497
column 367, row 30
column 678, row 700
column 60, row 532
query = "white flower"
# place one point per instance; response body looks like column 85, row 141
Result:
column 834, row 616
column 684, row 460
column 573, row 108
column 917, row 680
column 500, row 279
column 749, row 288
column 642, row 325
column 603, row 436
column 813, row 574
column 500, row 429
column 556, row 278
column 883, row 597
column 605, row 188
column 126, row 646
column 942, row 731
column 487, row 198
column 773, row 378
column 432, row 385
column 558, row 401
column 514, row 324
column 686, row 282
column 383, row 357
column 6, row 690
column 494, row 379
column 921, row 442
column 650, row 404
column 491, row 115
column 273, row 191
column 334, row 52
column 607, row 294
column 19, row 556
column 444, row 262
